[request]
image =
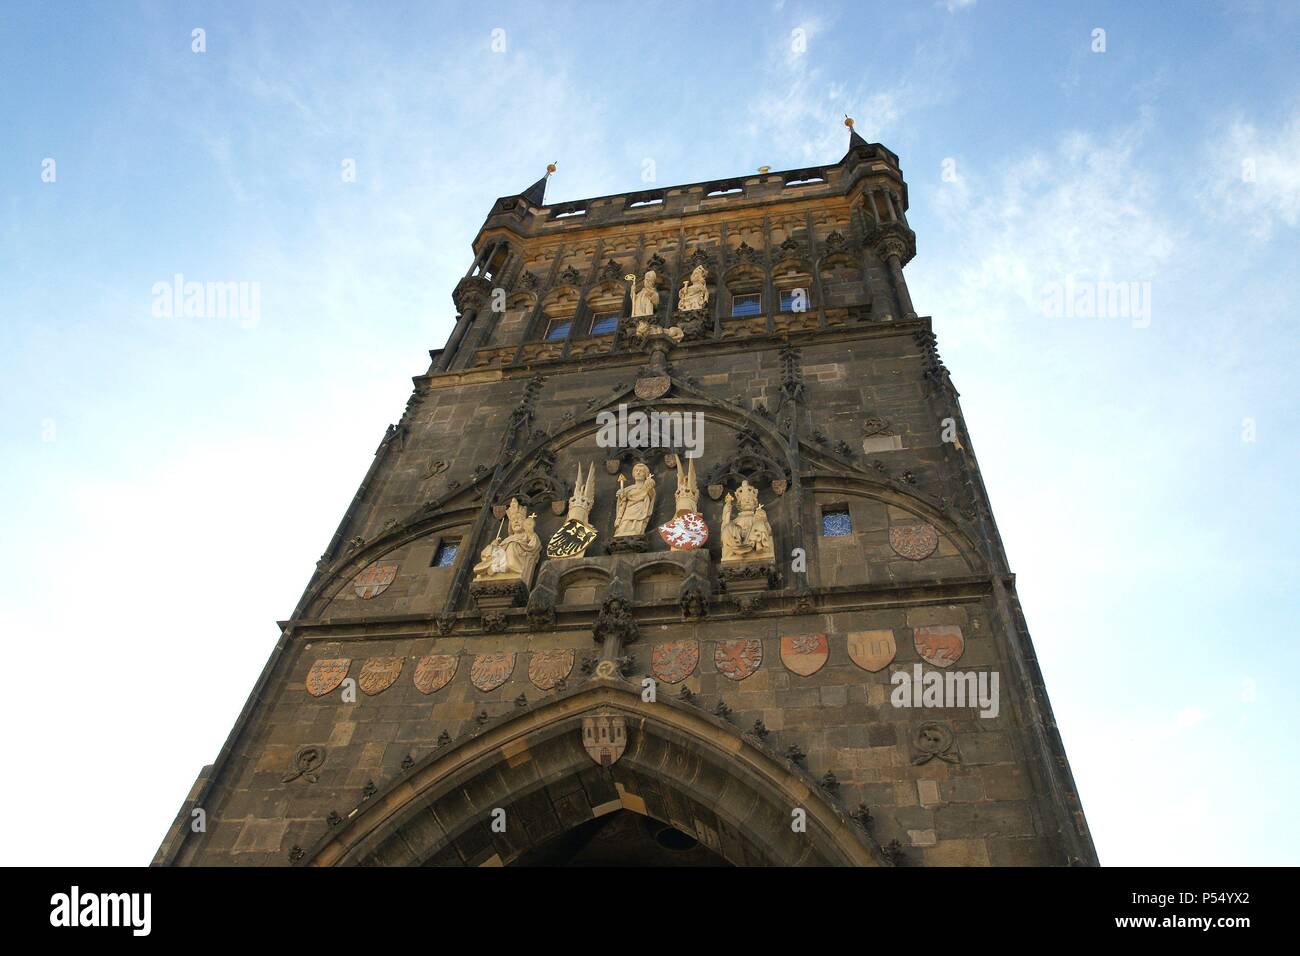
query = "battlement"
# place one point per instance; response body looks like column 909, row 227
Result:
column 869, row 165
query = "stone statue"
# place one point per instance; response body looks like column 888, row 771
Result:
column 687, row 531
column 695, row 291
column 515, row 556
column 748, row 536
column 645, row 301
column 634, row 505
column 576, row 534
column 647, row 330
column 688, row 488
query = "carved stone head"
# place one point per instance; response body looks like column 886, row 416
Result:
column 746, row 497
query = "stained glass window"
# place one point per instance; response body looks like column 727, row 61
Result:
column 836, row 523
column 445, row 556
column 795, row 300
column 747, row 304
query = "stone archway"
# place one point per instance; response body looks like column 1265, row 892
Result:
column 681, row 767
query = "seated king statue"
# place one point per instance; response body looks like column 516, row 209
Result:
column 515, row 556
column 746, row 537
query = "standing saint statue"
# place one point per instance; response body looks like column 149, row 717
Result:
column 635, row 503
column 646, row 300
column 695, row 291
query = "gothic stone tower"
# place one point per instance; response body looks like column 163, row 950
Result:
column 470, row 678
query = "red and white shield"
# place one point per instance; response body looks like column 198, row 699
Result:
column 674, row 661
column 374, row 580
column 737, row 660
column 939, row 644
column 686, row 532
column 805, row 654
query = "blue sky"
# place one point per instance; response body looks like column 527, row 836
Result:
column 168, row 483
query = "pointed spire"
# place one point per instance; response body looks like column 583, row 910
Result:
column 591, row 481
column 536, row 193
column 854, row 139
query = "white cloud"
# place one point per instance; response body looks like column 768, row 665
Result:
column 1083, row 209
column 1249, row 690
column 1252, row 177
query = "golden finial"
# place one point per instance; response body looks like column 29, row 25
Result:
column 765, row 169
column 550, row 168
column 848, row 121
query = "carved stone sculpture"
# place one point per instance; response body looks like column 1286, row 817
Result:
column 634, row 504
column 695, row 291
column 577, row 533
column 688, row 489
column 746, row 537
column 687, row 530
column 645, row 301
column 648, row 330
column 515, row 556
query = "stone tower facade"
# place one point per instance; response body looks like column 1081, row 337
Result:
column 678, row 554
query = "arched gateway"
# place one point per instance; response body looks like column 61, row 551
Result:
column 694, row 437
column 681, row 767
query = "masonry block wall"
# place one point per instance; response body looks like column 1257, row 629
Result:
column 827, row 393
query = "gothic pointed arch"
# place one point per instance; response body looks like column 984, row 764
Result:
column 531, row 772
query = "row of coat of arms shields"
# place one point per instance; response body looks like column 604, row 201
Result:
column 671, row 662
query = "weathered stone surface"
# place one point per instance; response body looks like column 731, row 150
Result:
column 892, row 569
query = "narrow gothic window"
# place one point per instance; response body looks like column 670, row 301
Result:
column 751, row 304
column 445, row 556
column 795, row 300
column 604, row 323
column 835, row 522
column 558, row 330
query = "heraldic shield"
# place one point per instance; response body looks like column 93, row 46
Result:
column 374, row 580
column 674, row 661
column 490, row 671
column 805, row 654
column 686, row 532
column 571, row 541
column 549, row 668
column 939, row 644
column 736, row 660
column 604, row 737
column 326, row 674
column 435, row 671
column 872, row 650
column 378, row 673
column 914, row 542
